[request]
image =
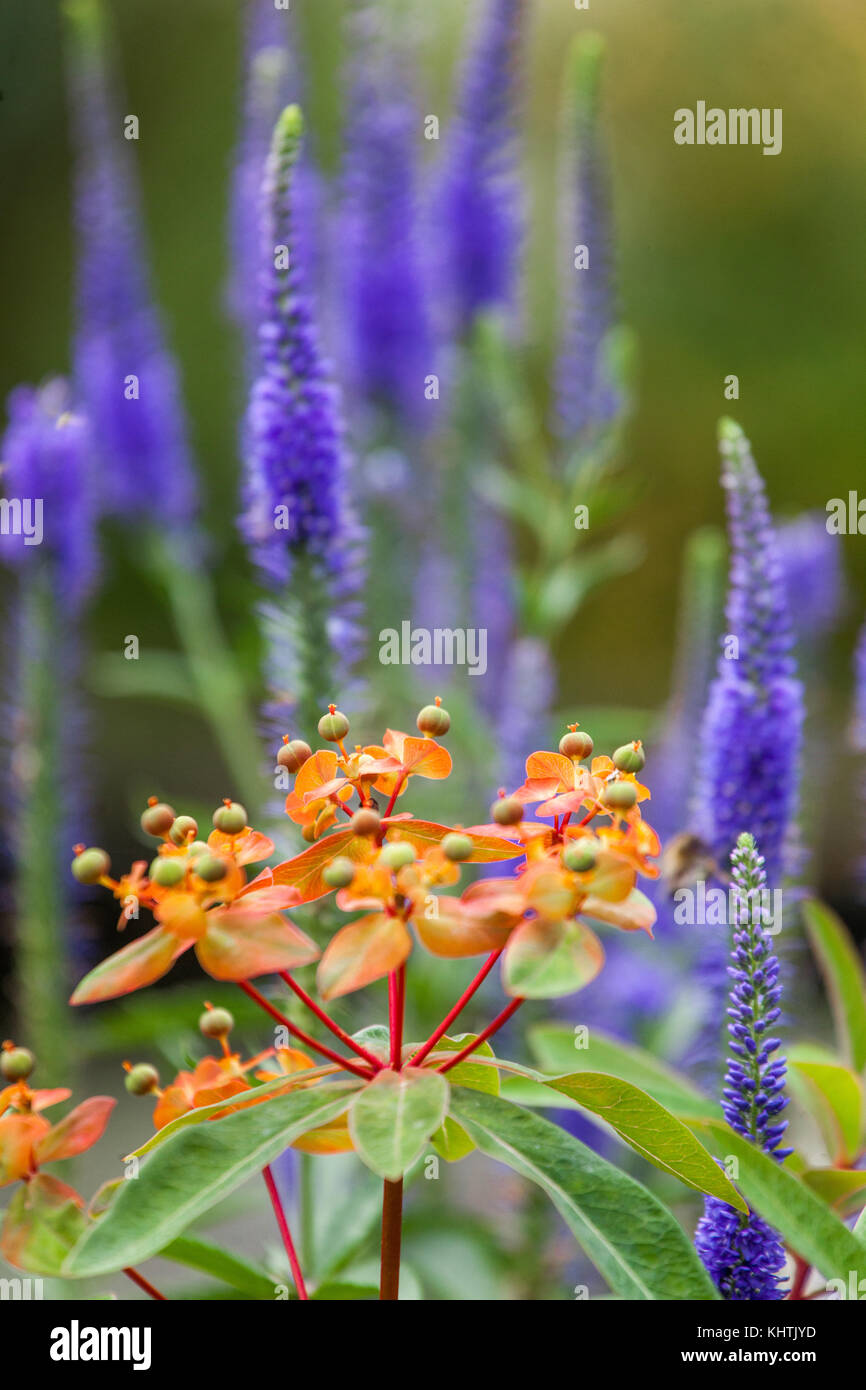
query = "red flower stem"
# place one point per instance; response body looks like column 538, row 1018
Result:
column 279, row 1213
column 801, row 1274
column 299, row 1033
column 143, row 1283
column 485, row 1033
column 457, row 1009
column 392, row 1232
column 329, row 1022
column 389, row 808
column 396, row 1006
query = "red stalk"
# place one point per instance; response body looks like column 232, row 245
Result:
column 392, row 1231
column 329, row 1022
column 457, row 1009
column 279, row 1213
column 299, row 1033
column 143, row 1283
column 396, row 1007
column 486, row 1033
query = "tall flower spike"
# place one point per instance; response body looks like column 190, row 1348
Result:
column 858, row 744
column 297, row 517
column 479, row 215
column 389, row 349
column 744, row 1257
column 586, row 395
column 814, row 581
column 125, row 376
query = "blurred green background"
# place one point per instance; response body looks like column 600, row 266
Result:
column 729, row 261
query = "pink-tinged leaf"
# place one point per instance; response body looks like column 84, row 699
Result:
column 485, row 848
column 43, row 1222
column 423, row 757
column 453, row 932
column 505, row 832
column 567, row 804
column 546, row 960
column 235, row 947
column 263, row 898
column 19, row 1135
column 304, row 872
column 361, row 952
column 613, row 877
column 77, row 1131
column 136, row 965
column 41, row 1100
column 326, row 789
column 546, row 766
column 249, row 848
column 634, row 913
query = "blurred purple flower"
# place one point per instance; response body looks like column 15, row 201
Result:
column 527, row 691
column 811, row 560
column 858, row 727
column 493, row 603
column 478, row 209
column 125, row 377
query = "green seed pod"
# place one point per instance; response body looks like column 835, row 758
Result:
column 366, row 821
column 576, row 744
column 619, row 796
column 396, row 855
column 168, row 873
column 433, row 719
column 16, row 1063
column 339, row 873
column 580, row 855
column 630, row 758
column 183, row 830
column 507, row 810
column 333, row 726
column 456, row 846
column 216, row 1023
column 293, row 755
column 91, row 865
column 197, row 848
column 141, row 1079
column 230, row 819
column 210, row 867
column 158, row 819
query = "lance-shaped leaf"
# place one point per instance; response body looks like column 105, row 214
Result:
column 651, row 1130
column 842, row 1188
column 140, row 963
column 634, row 913
column 393, row 1117
column 448, row 928
column 223, row 1265
column 195, row 1169
column 844, row 977
column 241, row 947
column 77, row 1131
column 451, row 1141
column 836, row 1093
column 43, row 1221
column 545, row 960
column 361, row 952
column 634, row 1241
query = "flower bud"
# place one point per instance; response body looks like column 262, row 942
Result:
column 630, row 758
column 507, row 810
column 366, row 821
column 293, row 754
column 433, row 719
column 158, row 818
column 230, row 818
column 619, row 796
column 168, row 873
column 216, row 1023
column 456, row 846
column 396, row 854
column 334, row 725
column 339, row 873
column 141, row 1079
column 210, row 867
column 580, row 855
column 16, row 1063
column 576, row 745
column 91, row 865
column 183, row 830
column 196, row 848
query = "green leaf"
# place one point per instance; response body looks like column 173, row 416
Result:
column 842, row 1188
column 451, row 1141
column 393, row 1117
column 42, row 1223
column 651, row 1130
column 844, row 977
column 840, row 1105
column 633, row 1240
column 221, row 1264
column 195, row 1169
column 555, row 1048
column 545, row 960
column 788, row 1205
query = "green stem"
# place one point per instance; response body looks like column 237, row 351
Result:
column 306, row 1212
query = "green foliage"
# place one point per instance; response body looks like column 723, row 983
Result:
column 844, row 978
column 393, row 1117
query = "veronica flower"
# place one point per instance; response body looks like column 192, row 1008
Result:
column 586, row 396
column 297, row 517
column 811, row 559
column 527, row 686
column 478, row 213
column 125, row 376
column 858, row 744
column 743, row 1256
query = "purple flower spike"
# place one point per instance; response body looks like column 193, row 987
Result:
column 744, row 1256
column 125, row 377
column 479, row 207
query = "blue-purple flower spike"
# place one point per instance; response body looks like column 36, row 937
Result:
column 297, row 518
column 587, row 398
column 752, row 727
column 743, row 1256
column 125, row 377
column 479, row 204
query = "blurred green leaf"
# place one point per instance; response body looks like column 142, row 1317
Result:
column 221, row 1264
column 844, row 978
